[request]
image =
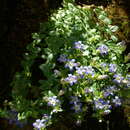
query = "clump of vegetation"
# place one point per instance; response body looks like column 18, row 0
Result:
column 75, row 59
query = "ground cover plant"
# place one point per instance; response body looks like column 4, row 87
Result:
column 74, row 62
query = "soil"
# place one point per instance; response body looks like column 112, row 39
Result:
column 20, row 18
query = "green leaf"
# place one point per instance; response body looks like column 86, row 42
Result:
column 21, row 116
column 125, row 93
column 127, row 58
column 114, row 38
column 46, row 69
column 113, row 28
column 128, row 65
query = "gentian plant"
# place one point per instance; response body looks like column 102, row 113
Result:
column 80, row 63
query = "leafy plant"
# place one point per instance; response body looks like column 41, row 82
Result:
column 75, row 59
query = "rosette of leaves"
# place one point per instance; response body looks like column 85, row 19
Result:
column 75, row 61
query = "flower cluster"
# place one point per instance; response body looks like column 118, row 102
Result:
column 101, row 104
column 53, row 101
column 71, row 64
column 71, row 79
column 79, row 46
column 103, row 49
column 80, row 72
column 88, row 74
column 112, row 68
column 117, row 101
column 40, row 124
column 85, row 70
column 118, row 78
column 109, row 91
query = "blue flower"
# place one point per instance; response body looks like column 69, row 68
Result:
column 101, row 104
column 88, row 90
column 80, row 70
column 107, row 111
column 38, row 124
column 112, row 68
column 53, row 101
column 104, row 65
column 71, row 79
column 76, row 104
column 109, row 91
column 118, row 78
column 103, row 49
column 62, row 58
column 71, row 64
column 77, row 107
column 117, row 101
column 79, row 46
column 89, row 70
